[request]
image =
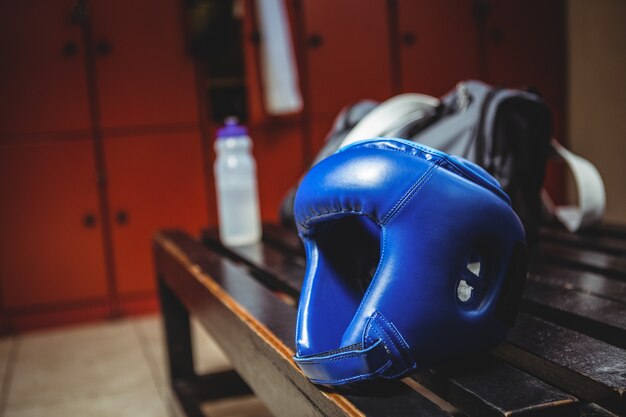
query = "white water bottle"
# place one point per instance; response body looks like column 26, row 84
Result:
column 236, row 186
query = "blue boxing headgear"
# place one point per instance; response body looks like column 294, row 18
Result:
column 414, row 257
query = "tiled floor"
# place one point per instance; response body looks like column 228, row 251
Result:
column 107, row 369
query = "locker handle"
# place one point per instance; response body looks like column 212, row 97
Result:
column 316, row 40
column 121, row 217
column 70, row 49
column 103, row 47
column 408, row 38
column 89, row 220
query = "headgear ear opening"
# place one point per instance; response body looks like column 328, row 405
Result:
column 352, row 246
column 472, row 279
column 344, row 254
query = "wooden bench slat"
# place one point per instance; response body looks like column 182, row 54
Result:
column 582, row 281
column 280, row 237
column 594, row 410
column 583, row 258
column 588, row 368
column 242, row 312
column 594, row 316
column 600, row 230
column 280, row 276
column 473, row 387
column 607, row 244
column 272, row 264
column 496, row 400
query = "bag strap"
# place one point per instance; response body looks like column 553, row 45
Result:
column 481, row 133
column 590, row 188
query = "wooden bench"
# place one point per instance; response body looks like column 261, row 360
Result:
column 565, row 356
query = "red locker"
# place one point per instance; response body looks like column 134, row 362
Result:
column 51, row 242
column 145, row 75
column 438, row 44
column 154, row 182
column 42, row 69
column 525, row 46
column 347, row 53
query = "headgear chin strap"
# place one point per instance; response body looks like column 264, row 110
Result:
column 413, row 257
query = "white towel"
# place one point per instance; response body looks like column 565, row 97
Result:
column 278, row 67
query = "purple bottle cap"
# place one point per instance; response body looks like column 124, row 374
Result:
column 231, row 128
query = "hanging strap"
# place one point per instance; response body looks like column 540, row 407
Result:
column 387, row 356
column 590, row 189
column 349, row 364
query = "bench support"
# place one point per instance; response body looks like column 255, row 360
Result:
column 189, row 388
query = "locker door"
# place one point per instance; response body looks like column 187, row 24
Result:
column 145, row 76
column 525, row 45
column 155, row 182
column 51, row 248
column 438, row 44
column 347, row 53
column 42, row 73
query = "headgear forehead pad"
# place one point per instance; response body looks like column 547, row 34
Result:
column 413, row 257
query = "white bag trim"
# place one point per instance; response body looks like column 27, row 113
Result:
column 389, row 115
column 590, row 189
column 398, row 110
